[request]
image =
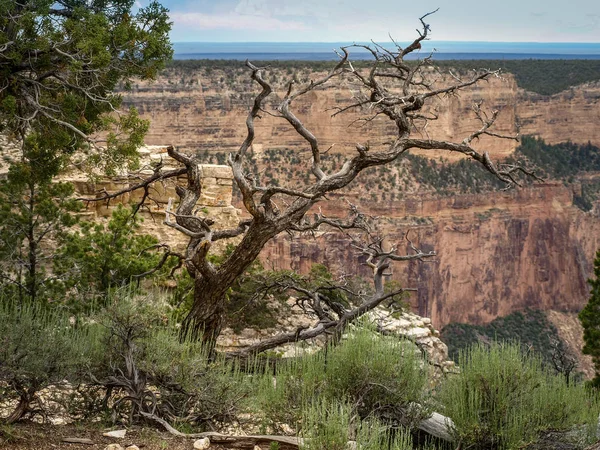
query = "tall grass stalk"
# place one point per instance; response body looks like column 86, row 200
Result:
column 376, row 375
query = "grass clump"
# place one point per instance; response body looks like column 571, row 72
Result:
column 378, row 376
column 326, row 425
column 503, row 398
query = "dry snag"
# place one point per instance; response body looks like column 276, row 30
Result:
column 389, row 88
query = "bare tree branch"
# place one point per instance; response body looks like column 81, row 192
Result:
column 390, row 90
column 303, row 334
column 157, row 176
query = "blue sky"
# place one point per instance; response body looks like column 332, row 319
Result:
column 362, row 20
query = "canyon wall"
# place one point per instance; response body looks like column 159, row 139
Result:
column 207, row 113
column 497, row 252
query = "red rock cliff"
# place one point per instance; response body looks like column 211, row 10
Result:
column 497, row 252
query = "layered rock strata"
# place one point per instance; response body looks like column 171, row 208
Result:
column 215, row 201
column 200, row 112
column 496, row 252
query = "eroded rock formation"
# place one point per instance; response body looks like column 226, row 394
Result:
column 199, row 112
column 215, row 202
column 497, row 253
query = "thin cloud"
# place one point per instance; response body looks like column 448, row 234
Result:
column 233, row 22
column 591, row 24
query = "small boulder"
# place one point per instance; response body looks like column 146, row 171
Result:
column 202, row 444
column 132, row 447
column 113, row 447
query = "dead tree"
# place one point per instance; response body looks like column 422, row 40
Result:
column 562, row 360
column 332, row 316
column 390, row 88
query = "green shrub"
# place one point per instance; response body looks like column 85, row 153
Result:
column 503, row 398
column 377, row 375
column 326, row 425
column 279, row 398
column 39, row 347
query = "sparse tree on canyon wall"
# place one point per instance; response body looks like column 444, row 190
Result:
column 390, row 88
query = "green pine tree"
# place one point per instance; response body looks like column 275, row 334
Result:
column 99, row 257
column 61, row 64
column 34, row 211
column 590, row 320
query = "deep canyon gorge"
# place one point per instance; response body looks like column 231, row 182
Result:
column 497, row 251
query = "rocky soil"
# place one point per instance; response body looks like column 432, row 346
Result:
column 32, row 436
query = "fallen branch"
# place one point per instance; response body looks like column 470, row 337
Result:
column 436, row 425
column 219, row 438
column 85, row 441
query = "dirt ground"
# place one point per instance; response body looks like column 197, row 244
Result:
column 32, row 436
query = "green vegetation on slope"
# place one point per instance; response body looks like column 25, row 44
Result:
column 567, row 162
column 464, row 176
column 560, row 161
column 530, row 328
column 542, row 76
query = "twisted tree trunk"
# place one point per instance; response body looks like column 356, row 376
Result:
column 205, row 319
column 26, row 396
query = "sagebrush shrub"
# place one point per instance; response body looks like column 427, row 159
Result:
column 376, row 375
column 38, row 347
column 504, row 397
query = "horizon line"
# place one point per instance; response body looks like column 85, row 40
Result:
column 371, row 41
